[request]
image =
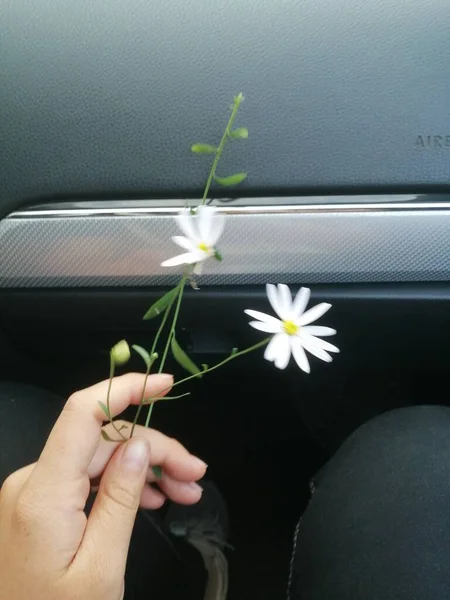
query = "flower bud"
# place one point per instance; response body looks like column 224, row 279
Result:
column 120, row 353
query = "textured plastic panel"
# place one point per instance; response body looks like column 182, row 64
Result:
column 292, row 245
column 107, row 96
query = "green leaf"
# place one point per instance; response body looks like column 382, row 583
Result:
column 234, row 351
column 231, row 179
column 203, row 149
column 106, row 437
column 157, row 472
column 205, row 367
column 241, row 133
column 144, row 355
column 104, row 409
column 183, row 359
column 217, row 255
column 161, row 304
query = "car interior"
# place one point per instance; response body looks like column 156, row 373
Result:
column 347, row 105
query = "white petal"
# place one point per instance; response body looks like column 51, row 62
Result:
column 279, row 350
column 217, row 225
column 315, row 341
column 315, row 350
column 272, row 295
column 267, row 327
column 283, row 358
column 318, row 330
column 299, row 355
column 204, row 218
column 300, row 302
column 182, row 259
column 255, row 314
column 313, row 313
column 285, row 300
column 184, row 242
column 269, row 353
column 185, row 222
column 200, row 256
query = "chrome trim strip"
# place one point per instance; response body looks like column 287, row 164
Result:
column 124, row 245
column 232, row 210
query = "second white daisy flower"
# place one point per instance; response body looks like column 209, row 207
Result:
column 292, row 331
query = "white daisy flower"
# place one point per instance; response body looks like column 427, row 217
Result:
column 201, row 233
column 293, row 333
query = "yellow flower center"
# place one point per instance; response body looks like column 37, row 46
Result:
column 290, row 327
column 204, row 248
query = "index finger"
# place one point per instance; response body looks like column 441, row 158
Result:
column 75, row 436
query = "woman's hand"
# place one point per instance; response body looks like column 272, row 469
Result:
column 49, row 549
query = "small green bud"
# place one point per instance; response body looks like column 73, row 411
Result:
column 203, row 149
column 120, row 353
column 217, row 255
column 241, row 133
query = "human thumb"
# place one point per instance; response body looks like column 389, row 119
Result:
column 110, row 524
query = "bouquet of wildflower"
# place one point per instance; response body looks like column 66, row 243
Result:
column 289, row 331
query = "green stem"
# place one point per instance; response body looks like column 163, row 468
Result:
column 149, row 414
column 214, row 367
column 152, row 352
column 169, row 338
column 141, row 402
column 237, row 103
column 165, row 398
column 164, row 319
column 112, row 369
column 174, row 324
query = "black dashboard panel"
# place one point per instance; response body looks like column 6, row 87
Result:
column 106, row 97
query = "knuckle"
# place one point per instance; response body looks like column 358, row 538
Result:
column 119, row 496
column 167, row 440
column 175, row 445
column 75, row 401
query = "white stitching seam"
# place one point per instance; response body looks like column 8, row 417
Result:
column 312, row 490
column 291, row 564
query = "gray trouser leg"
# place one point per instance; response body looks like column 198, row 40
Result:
column 378, row 523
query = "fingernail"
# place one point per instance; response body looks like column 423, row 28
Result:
column 136, row 454
column 196, row 487
column 199, row 462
